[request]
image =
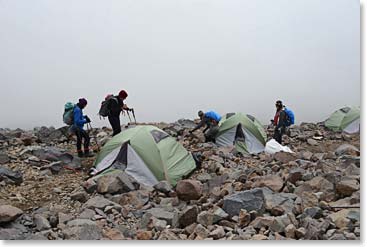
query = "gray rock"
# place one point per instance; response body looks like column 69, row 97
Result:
column 41, row 222
column 249, row 200
column 87, row 214
column 79, row 194
column 205, row 218
column 11, row 177
column 114, row 183
column 188, row 216
column 313, row 212
column 100, row 202
column 218, row 215
column 9, row 213
column 13, row 234
column 81, row 222
column 4, row 158
column 63, row 218
column 312, row 142
column 163, row 186
column 347, row 149
column 170, row 217
column 83, row 232
column 217, row 233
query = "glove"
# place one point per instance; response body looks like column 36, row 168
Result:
column 87, row 119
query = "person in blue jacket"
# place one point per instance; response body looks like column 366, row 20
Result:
column 211, row 120
column 79, row 121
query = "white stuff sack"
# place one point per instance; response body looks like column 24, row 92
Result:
column 273, row 147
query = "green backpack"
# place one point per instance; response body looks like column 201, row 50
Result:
column 68, row 116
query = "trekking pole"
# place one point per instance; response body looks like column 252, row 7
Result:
column 132, row 110
column 89, row 126
column 129, row 116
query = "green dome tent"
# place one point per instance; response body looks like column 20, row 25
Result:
column 345, row 119
column 148, row 154
column 242, row 131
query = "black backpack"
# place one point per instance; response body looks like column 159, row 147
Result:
column 104, row 111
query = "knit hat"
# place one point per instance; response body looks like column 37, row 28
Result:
column 123, row 94
column 83, row 102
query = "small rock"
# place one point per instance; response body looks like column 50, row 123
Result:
column 163, row 186
column 300, row 232
column 290, row 231
column 144, row 235
column 205, row 218
column 217, row 233
column 244, row 218
column 188, row 216
column 41, row 223
column 312, row 142
column 189, row 190
column 346, row 187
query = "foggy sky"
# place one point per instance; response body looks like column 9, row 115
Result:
column 177, row 57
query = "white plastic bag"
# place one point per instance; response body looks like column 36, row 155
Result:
column 273, row 147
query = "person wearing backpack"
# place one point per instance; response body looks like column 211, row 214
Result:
column 116, row 105
column 283, row 118
column 77, row 128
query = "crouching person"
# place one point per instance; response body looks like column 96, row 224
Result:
column 211, row 120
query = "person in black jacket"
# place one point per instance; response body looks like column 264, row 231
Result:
column 116, row 106
column 279, row 121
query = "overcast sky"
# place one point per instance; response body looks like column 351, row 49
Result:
column 177, row 57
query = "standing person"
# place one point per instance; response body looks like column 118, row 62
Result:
column 116, row 106
column 79, row 121
column 280, row 121
column 211, row 120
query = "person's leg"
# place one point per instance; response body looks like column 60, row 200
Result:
column 86, row 137
column 277, row 136
column 78, row 142
column 211, row 134
column 115, row 124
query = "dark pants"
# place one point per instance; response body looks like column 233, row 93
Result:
column 80, row 135
column 211, row 133
column 115, row 124
column 278, row 133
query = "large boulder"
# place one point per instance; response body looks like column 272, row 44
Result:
column 9, row 213
column 249, row 200
column 189, row 190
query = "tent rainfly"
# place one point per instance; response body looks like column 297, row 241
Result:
column 148, row 154
column 242, row 131
column 346, row 119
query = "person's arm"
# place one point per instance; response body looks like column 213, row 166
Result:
column 78, row 117
column 201, row 124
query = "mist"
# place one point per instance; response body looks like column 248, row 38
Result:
column 175, row 57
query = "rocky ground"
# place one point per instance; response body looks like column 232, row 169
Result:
column 314, row 193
